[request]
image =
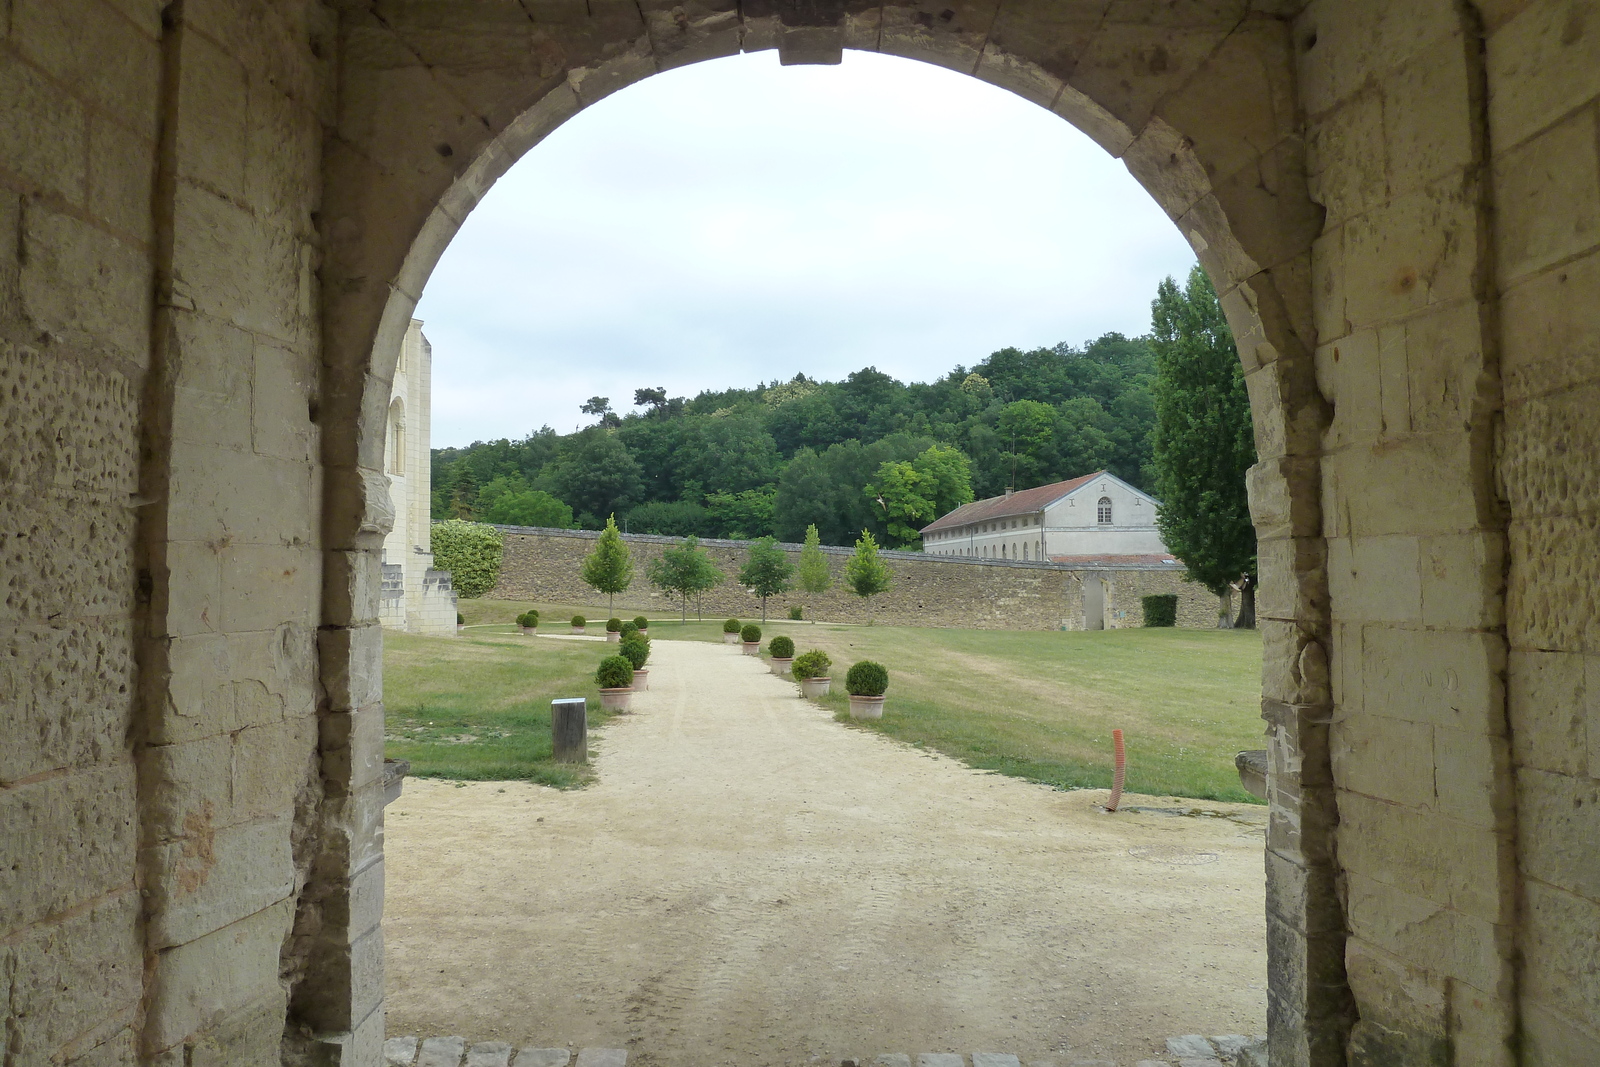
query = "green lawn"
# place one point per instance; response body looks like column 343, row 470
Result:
column 1039, row 705
column 477, row 707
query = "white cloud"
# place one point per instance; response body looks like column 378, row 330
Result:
column 737, row 221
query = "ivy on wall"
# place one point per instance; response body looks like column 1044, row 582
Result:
column 471, row 552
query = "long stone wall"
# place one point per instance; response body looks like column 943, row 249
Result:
column 543, row 564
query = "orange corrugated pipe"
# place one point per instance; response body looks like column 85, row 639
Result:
column 1120, row 774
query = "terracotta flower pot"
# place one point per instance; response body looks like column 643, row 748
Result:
column 641, row 680
column 461, row 627
column 866, row 707
column 812, row 688
column 730, row 639
column 528, row 631
column 615, row 699
column 577, row 629
column 613, row 636
column 752, row 648
column 780, row 667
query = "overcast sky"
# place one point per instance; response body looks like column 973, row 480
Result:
column 736, row 221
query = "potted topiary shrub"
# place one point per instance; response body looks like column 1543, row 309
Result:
column 635, row 648
column 810, row 669
column 615, row 676
column 751, row 636
column 627, row 629
column 461, row 622
column 578, row 622
column 866, row 682
column 730, row 632
column 641, row 622
column 528, row 622
column 781, row 649
column 613, row 629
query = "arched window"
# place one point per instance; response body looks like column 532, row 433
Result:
column 1105, row 510
column 396, row 446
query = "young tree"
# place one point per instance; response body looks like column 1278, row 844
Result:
column 866, row 573
column 609, row 568
column 1204, row 443
column 915, row 493
column 815, row 578
column 767, row 571
column 684, row 570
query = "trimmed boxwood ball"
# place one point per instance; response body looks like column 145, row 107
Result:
column 1161, row 609
column 780, row 647
column 635, row 649
column 730, row 626
column 529, row 619
column 641, row 622
column 751, row 634
column 461, row 620
column 797, row 613
column 813, row 664
column 613, row 625
column 579, row 621
column 866, row 679
column 628, row 628
column 615, row 672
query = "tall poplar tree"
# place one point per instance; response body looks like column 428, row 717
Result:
column 1204, row 442
column 609, row 568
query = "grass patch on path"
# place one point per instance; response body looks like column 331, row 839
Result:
column 477, row 707
column 1041, row 705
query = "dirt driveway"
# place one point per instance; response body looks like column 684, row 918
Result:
column 751, row 883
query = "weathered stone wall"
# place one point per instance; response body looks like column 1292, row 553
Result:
column 544, row 564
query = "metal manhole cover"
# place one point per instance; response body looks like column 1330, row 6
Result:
column 1176, row 855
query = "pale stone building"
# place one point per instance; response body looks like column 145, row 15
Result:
column 1096, row 517
column 416, row 597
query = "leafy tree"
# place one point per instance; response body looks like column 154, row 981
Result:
column 654, row 399
column 865, row 572
column 815, row 577
column 595, row 474
column 471, row 552
column 947, row 477
column 596, row 405
column 463, row 495
column 1204, row 442
column 899, row 489
column 684, row 570
column 767, row 571
column 673, row 518
column 509, row 501
column 609, row 568
column 741, row 515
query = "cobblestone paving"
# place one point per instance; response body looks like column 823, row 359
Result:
column 1185, row 1050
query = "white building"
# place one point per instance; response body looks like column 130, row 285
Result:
column 415, row 597
column 1096, row 518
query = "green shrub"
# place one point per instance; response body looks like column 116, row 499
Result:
column 530, row 619
column 615, row 672
column 796, row 613
column 1161, row 609
column 780, row 647
column 641, row 622
column 866, row 679
column 471, row 552
column 613, row 625
column 751, row 634
column 461, row 620
column 730, row 626
column 813, row 664
column 578, row 622
column 628, row 629
column 636, row 650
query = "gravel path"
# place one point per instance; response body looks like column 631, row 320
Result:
column 751, row 883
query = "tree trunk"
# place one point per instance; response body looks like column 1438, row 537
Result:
column 684, row 616
column 763, row 610
column 1247, row 605
column 1225, row 609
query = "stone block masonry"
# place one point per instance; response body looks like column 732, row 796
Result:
column 543, row 564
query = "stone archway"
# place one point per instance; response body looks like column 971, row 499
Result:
column 1199, row 103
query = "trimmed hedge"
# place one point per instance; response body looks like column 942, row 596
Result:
column 730, row 626
column 780, row 647
column 635, row 649
column 751, row 634
column 579, row 621
column 613, row 625
column 641, row 622
column 866, row 679
column 813, row 664
column 628, row 628
column 615, row 672
column 530, row 619
column 471, row 552
column 1160, row 609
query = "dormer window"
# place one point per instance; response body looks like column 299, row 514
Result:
column 1104, row 512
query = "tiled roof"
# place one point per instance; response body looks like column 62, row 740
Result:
column 1002, row 507
column 1094, row 559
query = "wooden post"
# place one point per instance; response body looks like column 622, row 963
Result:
column 569, row 730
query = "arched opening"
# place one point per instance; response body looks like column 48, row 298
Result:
column 1103, row 511
column 1260, row 272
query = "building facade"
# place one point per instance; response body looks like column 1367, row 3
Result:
column 416, row 597
column 1098, row 517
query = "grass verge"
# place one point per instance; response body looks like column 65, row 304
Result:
column 477, row 707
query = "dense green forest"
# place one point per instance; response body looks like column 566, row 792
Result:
column 868, row 452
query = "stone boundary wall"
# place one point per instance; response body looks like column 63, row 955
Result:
column 542, row 563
